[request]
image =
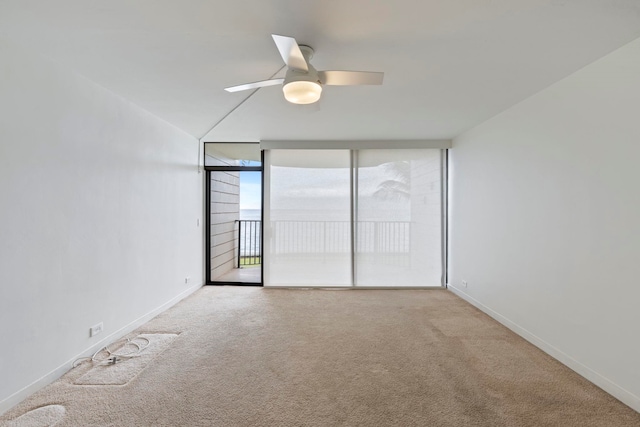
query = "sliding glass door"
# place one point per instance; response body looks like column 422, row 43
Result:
column 363, row 218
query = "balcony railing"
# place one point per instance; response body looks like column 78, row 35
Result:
column 249, row 243
column 322, row 237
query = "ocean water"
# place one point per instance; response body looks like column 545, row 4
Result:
column 250, row 214
column 250, row 245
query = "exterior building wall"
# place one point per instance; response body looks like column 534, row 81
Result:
column 225, row 212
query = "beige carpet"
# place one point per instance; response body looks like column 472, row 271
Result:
column 260, row 357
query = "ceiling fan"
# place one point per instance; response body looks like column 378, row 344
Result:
column 303, row 84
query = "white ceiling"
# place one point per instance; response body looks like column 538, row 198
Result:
column 449, row 64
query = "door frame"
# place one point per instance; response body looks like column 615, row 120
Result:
column 208, row 170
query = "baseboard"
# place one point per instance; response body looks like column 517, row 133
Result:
column 47, row 379
column 604, row 383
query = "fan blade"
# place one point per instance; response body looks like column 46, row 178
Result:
column 290, row 52
column 254, row 85
column 350, row 78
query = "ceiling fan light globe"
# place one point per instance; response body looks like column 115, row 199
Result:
column 302, row 92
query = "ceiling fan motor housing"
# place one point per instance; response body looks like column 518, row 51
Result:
column 301, row 76
column 300, row 87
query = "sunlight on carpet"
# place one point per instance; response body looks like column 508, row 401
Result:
column 128, row 366
column 45, row 416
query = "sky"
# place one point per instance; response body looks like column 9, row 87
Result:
column 250, row 190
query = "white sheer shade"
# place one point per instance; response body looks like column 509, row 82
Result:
column 370, row 218
column 308, row 240
column 399, row 218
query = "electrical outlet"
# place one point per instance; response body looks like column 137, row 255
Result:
column 187, row 279
column 464, row 283
column 96, row 329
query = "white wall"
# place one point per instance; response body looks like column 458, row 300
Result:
column 99, row 208
column 545, row 220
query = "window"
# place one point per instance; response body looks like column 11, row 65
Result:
column 367, row 218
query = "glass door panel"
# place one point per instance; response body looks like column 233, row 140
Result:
column 236, row 227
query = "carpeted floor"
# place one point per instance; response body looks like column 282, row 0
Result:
column 274, row 357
